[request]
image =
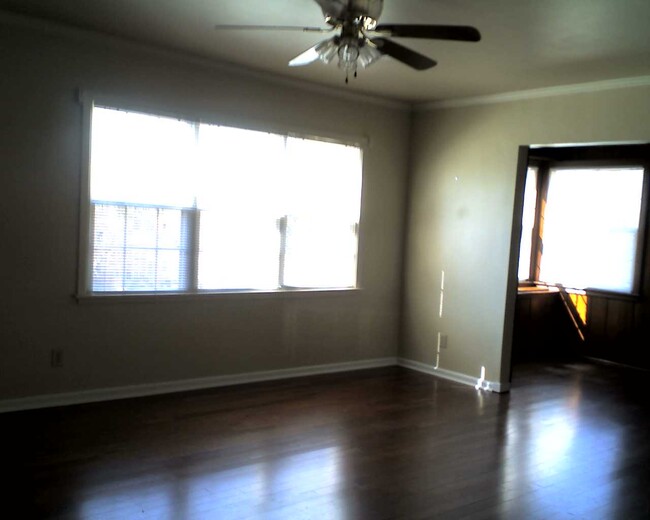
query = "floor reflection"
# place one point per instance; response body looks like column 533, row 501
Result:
column 560, row 457
column 299, row 485
column 569, row 441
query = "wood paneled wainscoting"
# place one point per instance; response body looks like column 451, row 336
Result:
column 618, row 329
column 615, row 328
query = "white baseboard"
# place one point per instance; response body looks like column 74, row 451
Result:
column 123, row 392
column 458, row 377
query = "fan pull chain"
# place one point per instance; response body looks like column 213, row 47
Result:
column 347, row 76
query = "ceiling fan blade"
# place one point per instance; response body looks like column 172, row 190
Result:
column 463, row 33
column 307, row 57
column 407, row 56
column 273, row 28
column 323, row 51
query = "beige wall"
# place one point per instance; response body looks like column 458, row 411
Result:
column 115, row 344
column 462, row 194
column 462, row 183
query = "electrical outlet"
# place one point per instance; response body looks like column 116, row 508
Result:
column 56, row 358
column 442, row 341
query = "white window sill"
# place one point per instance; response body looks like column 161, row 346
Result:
column 206, row 295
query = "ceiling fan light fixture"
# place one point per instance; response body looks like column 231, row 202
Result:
column 326, row 50
column 348, row 52
column 368, row 54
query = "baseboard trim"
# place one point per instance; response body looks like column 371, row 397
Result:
column 450, row 375
column 602, row 361
column 125, row 392
column 168, row 387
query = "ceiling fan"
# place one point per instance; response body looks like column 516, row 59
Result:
column 360, row 40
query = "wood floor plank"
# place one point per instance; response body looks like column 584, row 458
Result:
column 569, row 441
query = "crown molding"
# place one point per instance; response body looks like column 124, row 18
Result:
column 87, row 36
column 90, row 37
column 522, row 95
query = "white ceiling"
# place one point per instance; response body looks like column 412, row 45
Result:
column 526, row 44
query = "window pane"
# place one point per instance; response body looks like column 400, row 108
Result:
column 109, row 226
column 108, row 270
column 238, row 251
column 590, row 227
column 170, row 272
column 323, row 179
column 323, row 199
column 141, row 158
column 141, row 227
column 171, row 233
column 528, row 223
column 139, row 249
column 241, row 171
column 244, row 194
column 139, row 270
column 108, row 255
column 320, row 253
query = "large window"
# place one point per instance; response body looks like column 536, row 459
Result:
column 183, row 206
column 583, row 224
column 591, row 227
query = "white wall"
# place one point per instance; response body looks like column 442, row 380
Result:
column 462, row 192
column 116, row 344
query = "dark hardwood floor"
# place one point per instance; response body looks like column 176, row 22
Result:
column 569, row 441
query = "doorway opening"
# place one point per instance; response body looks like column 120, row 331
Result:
column 578, row 275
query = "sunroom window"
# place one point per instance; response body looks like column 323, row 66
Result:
column 584, row 217
column 591, row 227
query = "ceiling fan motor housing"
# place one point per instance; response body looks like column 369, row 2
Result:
column 361, row 12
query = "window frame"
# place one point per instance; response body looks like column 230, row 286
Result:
column 88, row 102
column 534, row 239
column 622, row 156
